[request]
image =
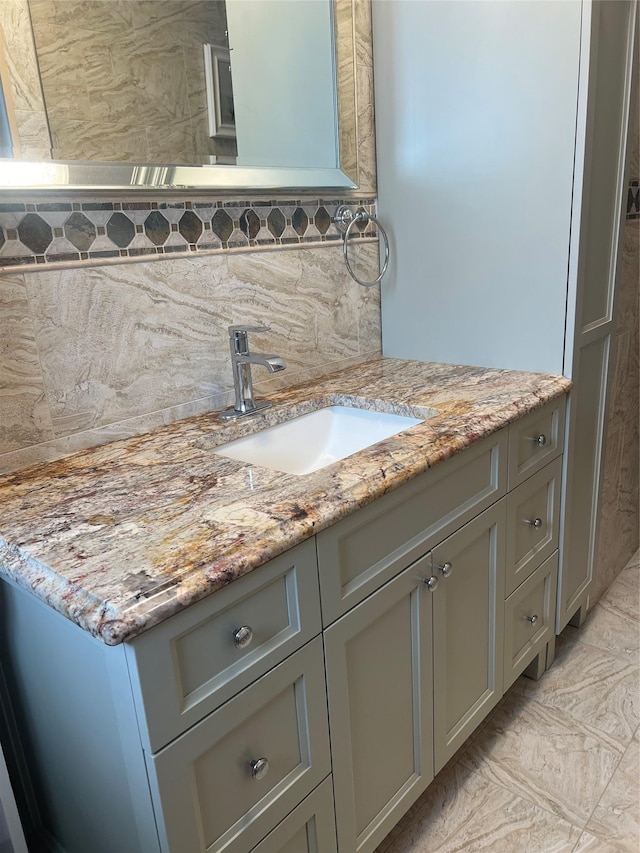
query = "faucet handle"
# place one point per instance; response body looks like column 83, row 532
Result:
column 245, row 329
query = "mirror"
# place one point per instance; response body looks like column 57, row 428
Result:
column 176, row 94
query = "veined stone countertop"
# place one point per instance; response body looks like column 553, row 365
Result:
column 120, row 537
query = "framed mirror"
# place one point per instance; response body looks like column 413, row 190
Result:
column 184, row 95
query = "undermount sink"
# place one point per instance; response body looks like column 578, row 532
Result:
column 315, row 440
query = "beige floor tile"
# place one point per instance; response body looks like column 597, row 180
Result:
column 544, row 755
column 616, row 818
column 624, row 592
column 609, row 627
column 588, row 843
column 462, row 811
column 597, row 687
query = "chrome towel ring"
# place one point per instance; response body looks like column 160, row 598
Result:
column 345, row 219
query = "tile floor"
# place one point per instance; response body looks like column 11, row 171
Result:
column 555, row 768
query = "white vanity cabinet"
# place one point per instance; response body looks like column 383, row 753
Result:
column 307, row 705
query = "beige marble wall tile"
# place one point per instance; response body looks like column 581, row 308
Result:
column 307, row 299
column 186, row 24
column 24, row 416
column 20, row 56
column 345, row 52
column 62, row 60
column 23, row 89
column 95, row 15
column 120, row 341
column 33, row 133
column 367, row 267
column 55, row 448
column 364, row 97
column 95, row 140
column 127, row 347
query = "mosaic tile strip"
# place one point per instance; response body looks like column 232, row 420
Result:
column 633, row 200
column 70, row 231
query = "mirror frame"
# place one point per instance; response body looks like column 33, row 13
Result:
column 48, row 175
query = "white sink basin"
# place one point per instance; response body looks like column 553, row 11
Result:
column 315, row 440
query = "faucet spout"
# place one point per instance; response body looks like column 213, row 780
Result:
column 241, row 361
column 273, row 363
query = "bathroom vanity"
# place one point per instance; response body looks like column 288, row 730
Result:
column 255, row 661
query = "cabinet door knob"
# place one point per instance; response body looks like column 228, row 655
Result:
column 532, row 619
column 259, row 768
column 430, row 583
column 534, row 522
column 445, row 569
column 540, row 440
column 242, row 637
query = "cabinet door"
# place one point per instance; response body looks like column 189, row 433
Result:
column 468, row 629
column 603, row 111
column 379, row 678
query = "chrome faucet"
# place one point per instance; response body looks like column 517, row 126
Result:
column 241, row 361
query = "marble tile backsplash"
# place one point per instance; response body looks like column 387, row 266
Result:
column 91, row 354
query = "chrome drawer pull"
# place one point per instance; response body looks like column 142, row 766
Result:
column 430, row 583
column 532, row 619
column 534, row 522
column 242, row 637
column 259, row 768
column 446, row 569
column 540, row 440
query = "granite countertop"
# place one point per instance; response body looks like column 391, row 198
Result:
column 120, row 537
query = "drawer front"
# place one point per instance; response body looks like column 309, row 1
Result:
column 203, row 784
column 186, row 667
column 310, row 828
column 365, row 550
column 529, row 619
column 533, row 520
column 535, row 440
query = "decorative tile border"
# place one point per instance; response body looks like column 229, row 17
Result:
column 633, row 200
column 62, row 232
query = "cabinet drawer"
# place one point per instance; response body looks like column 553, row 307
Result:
column 535, row 440
column 533, row 519
column 529, row 619
column 365, row 550
column 202, row 783
column 186, row 667
column 310, row 828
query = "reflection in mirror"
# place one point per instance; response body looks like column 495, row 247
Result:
column 147, row 81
